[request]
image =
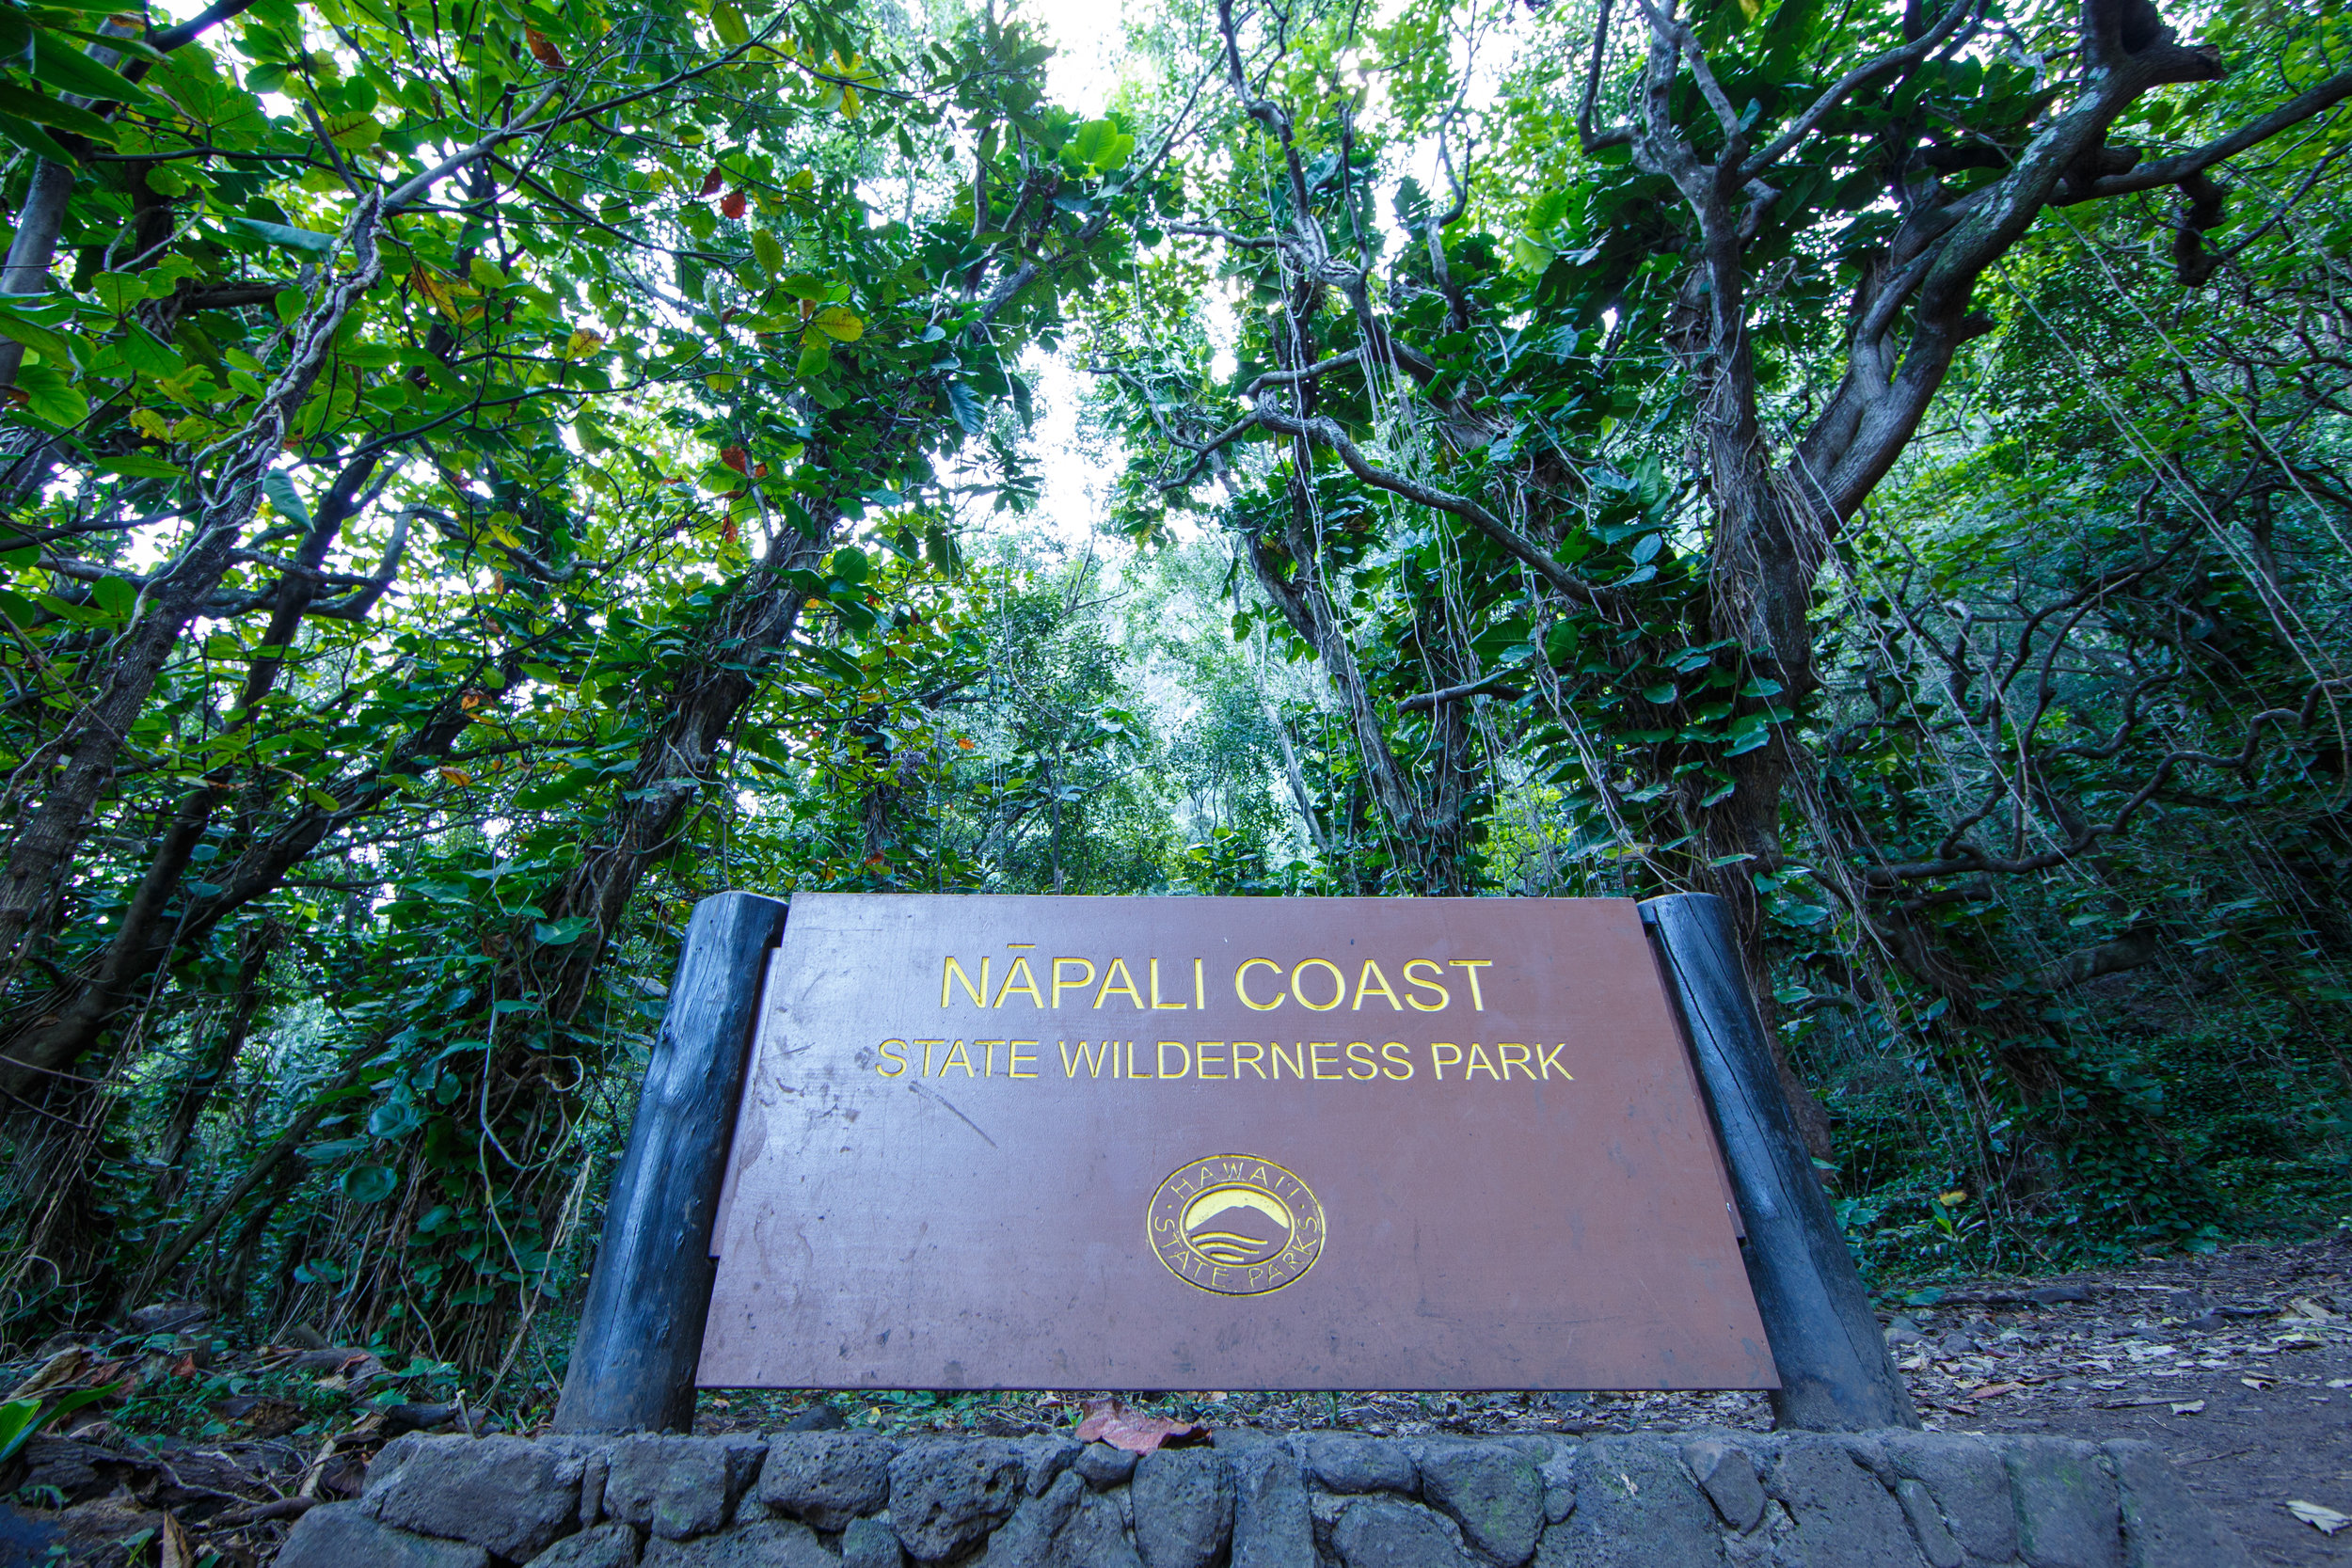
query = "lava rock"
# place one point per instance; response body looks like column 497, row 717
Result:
column 944, row 1497
column 1490, row 1489
column 1183, row 1507
column 770, row 1544
column 1727, row 1475
column 826, row 1478
column 510, row 1496
column 1101, row 1465
column 680, row 1487
column 1968, row 1484
column 2067, row 1505
column 605, row 1547
column 1387, row 1532
column 340, row 1535
column 1271, row 1526
column 1345, row 1463
column 871, row 1544
column 2164, row 1525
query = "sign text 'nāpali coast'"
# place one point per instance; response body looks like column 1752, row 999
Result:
column 1230, row 1143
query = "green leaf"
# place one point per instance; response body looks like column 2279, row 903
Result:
column 369, row 1183
column 44, row 110
column 850, row 565
column 139, row 465
column 66, row 69
column 352, row 130
column 284, row 234
column 728, row 23
column 52, row 346
column 1102, row 146
column 768, row 251
column 278, row 486
column 50, row 395
column 114, row 595
column 33, row 140
column 816, row 355
column 560, row 933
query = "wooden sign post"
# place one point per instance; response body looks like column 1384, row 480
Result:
column 946, row 1165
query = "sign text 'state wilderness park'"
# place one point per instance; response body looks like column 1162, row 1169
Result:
column 1211, row 1143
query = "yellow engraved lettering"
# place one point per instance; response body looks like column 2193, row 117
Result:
column 1131, row 1063
column 1255, row 1061
column 1013, row 1059
column 1479, row 1063
column 1315, row 1064
column 897, row 1063
column 1338, row 985
column 1478, row 1002
column 1200, row 1054
column 1443, row 1055
column 1298, row 1062
column 1200, row 989
column 1182, row 1050
column 1392, row 1056
column 1119, row 982
column 1061, row 985
column 1444, row 996
column 1373, row 983
column 954, row 975
column 988, row 1056
column 927, row 1055
column 1550, row 1059
column 1503, row 1050
column 1241, row 988
column 956, row 1057
column 1093, row 1059
column 1177, row 1006
column 1020, row 979
column 1359, row 1054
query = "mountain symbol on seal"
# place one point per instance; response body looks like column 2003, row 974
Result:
column 1237, row 1227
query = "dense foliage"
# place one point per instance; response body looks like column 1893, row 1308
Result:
column 480, row 476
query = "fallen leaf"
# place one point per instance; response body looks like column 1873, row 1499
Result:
column 1110, row 1421
column 2190, row 1408
column 58, row 1370
column 174, row 1549
column 1992, row 1389
column 2257, row 1382
column 2325, row 1520
column 2304, row 1309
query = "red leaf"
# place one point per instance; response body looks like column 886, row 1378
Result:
column 544, row 50
column 728, row 532
column 711, row 181
column 732, row 204
column 1109, row 1421
column 735, row 458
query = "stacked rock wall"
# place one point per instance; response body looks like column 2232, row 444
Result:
column 838, row 1499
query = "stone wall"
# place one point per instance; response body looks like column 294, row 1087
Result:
column 839, row 1500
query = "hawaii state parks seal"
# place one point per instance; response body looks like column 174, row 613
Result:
column 1236, row 1224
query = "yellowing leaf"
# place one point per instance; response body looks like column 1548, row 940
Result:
column 352, row 130
column 150, row 424
column 840, row 325
column 582, row 343
column 456, row 776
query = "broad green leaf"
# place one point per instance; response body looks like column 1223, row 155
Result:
column 278, row 486
column 728, row 23
column 369, row 1183
column 66, row 69
column 44, row 110
column 768, row 251
column 352, row 130
column 52, row 346
column 50, row 395
column 33, row 140
column 291, row 238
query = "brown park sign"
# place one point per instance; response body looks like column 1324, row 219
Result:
column 1223, row 1143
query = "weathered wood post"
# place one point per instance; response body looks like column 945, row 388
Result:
column 1836, row 1374
column 641, row 1329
